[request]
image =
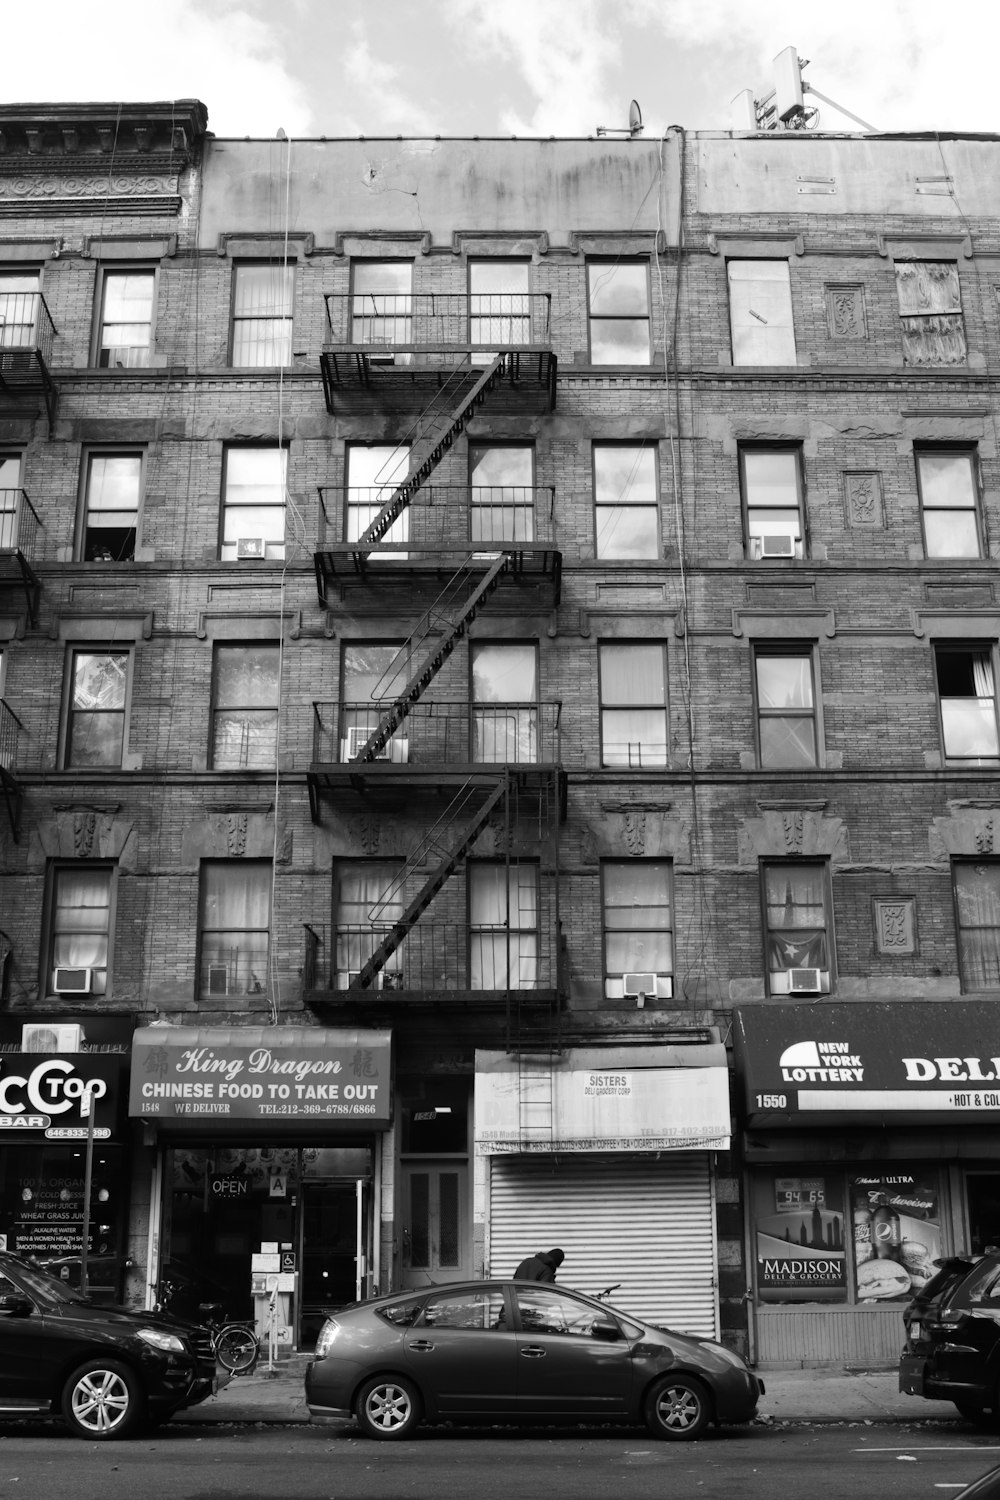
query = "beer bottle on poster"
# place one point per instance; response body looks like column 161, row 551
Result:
column 862, row 1232
column 885, row 1232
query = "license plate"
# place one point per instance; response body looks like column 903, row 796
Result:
column 915, row 1332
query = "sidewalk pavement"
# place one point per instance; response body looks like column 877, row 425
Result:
column 791, row 1396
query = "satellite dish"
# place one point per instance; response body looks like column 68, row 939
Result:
column 634, row 118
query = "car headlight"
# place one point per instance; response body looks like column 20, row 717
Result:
column 328, row 1335
column 168, row 1342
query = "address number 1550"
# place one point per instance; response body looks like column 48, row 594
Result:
column 772, row 1101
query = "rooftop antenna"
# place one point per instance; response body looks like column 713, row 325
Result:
column 633, row 128
column 784, row 107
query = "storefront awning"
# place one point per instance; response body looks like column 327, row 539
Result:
column 666, row 1098
column 273, row 1077
column 914, row 1061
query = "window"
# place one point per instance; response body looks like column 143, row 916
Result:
column 772, row 496
column 503, row 926
column 760, row 312
column 638, row 924
column 633, row 685
column 125, row 331
column 253, row 504
column 544, row 1310
column 373, row 673
column 977, row 902
column 786, row 708
column 374, row 473
column 234, row 919
column 499, row 304
column 245, row 707
column 112, row 485
column 98, row 690
column 501, row 493
column 797, row 925
column 10, row 496
column 474, row 1311
column 367, row 901
column 626, row 500
column 618, row 293
column 19, row 298
column 382, row 304
column 262, row 314
column 80, row 929
column 930, row 312
column 947, row 483
column 967, row 693
column 505, row 703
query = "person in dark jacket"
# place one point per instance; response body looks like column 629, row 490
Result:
column 540, row 1267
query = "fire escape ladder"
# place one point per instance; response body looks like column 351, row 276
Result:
column 534, row 1102
column 448, row 856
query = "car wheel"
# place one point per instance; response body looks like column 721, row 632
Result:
column 677, row 1406
column 103, row 1400
column 387, row 1407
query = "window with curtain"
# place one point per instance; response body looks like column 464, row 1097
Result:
column 373, row 672
column 80, row 923
column 501, row 493
column 633, row 686
column 95, row 718
column 367, row 902
column 503, row 926
column 797, row 925
column 126, row 324
column 233, row 928
column 967, row 694
column 760, row 312
column 499, row 305
column 771, row 479
column 618, row 296
column 20, row 295
column 786, row 708
column 977, row 903
column 112, row 484
column 262, row 314
column 505, row 703
column 638, row 923
column 253, row 504
column 381, row 304
column 245, row 707
column 10, row 496
column 374, row 473
column 626, row 500
column 947, row 484
column 930, row 312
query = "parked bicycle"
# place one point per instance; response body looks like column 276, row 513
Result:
column 234, row 1340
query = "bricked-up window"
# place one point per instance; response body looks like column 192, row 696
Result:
column 638, row 925
column 786, row 707
column 760, row 312
column 947, row 482
column 930, row 312
column 79, row 928
column 233, row 925
column 367, row 901
column 262, row 314
column 626, row 500
column 245, row 707
column 967, row 694
column 18, row 308
column 633, row 687
column 97, row 698
column 977, row 904
column 505, row 703
column 797, row 927
column 502, row 493
column 771, row 480
column 112, row 485
column 503, row 926
column 253, row 504
column 618, row 292
column 374, row 472
column 381, row 303
column 499, row 304
column 125, row 326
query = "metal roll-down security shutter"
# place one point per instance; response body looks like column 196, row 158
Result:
column 647, row 1223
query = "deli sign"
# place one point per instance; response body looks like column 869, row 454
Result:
column 921, row 1058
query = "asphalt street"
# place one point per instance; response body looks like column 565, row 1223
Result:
column 183, row 1462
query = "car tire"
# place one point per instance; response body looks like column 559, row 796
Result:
column 388, row 1408
column 677, row 1407
column 103, row 1400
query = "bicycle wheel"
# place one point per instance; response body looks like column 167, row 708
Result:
column 237, row 1349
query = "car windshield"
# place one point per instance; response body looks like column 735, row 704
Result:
column 39, row 1283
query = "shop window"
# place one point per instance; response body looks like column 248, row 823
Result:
column 797, row 925
column 253, row 504
column 618, row 297
column 501, row 492
column 367, row 903
column 977, row 904
column 233, row 927
column 262, row 314
column 505, row 703
column 786, row 708
column 112, row 485
column 760, row 312
column 372, row 673
column 245, row 707
column 97, row 696
column 499, row 303
column 771, row 482
column 503, row 926
column 80, row 928
column 125, row 323
column 626, row 501
column 948, row 486
column 374, row 472
column 382, row 304
column 967, row 695
column 638, row 928
column 930, row 312
column 633, row 688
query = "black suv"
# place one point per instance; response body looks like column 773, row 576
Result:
column 952, row 1350
column 108, row 1370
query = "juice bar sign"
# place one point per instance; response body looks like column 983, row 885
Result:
column 41, row 1096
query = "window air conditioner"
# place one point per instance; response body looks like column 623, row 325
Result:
column 40, row 1038
column 251, row 548
column 640, row 987
column 72, row 981
column 397, row 750
column 781, row 545
column 805, row 981
column 218, row 979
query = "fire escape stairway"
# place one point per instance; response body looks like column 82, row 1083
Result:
column 448, row 856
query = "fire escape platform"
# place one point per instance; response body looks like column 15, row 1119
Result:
column 411, row 372
column 16, row 572
column 355, row 562
column 388, row 784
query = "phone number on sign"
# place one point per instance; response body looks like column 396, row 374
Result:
column 316, row 1109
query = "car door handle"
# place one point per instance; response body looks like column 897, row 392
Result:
column 532, row 1351
column 421, row 1345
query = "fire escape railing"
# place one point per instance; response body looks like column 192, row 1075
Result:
column 450, row 732
column 428, row 320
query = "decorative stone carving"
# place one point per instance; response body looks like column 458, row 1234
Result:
column 634, row 830
column 863, row 490
column 369, row 832
column 784, row 830
column 845, row 311
column 895, row 924
column 792, row 824
column 84, row 829
column 236, row 833
column 969, row 829
column 22, row 189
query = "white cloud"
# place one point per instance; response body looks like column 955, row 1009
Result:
column 380, row 85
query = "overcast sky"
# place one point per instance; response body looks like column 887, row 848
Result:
column 506, row 67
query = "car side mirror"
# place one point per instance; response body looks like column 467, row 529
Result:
column 16, row 1305
column 609, row 1332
